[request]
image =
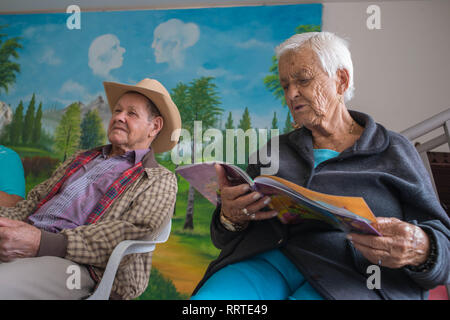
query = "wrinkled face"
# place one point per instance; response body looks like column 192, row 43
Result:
column 310, row 93
column 130, row 127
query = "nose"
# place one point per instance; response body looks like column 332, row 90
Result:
column 118, row 116
column 292, row 92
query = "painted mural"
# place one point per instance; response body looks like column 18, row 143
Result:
column 218, row 61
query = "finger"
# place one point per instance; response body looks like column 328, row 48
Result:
column 374, row 242
column 246, row 200
column 373, row 255
column 389, row 226
column 263, row 215
column 258, row 205
column 221, row 176
column 5, row 222
column 232, row 193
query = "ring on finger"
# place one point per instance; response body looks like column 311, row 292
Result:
column 245, row 211
column 379, row 262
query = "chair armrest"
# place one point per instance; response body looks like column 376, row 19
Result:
column 124, row 248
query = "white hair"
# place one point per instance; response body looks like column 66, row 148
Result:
column 331, row 50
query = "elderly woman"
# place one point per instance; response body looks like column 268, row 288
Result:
column 341, row 152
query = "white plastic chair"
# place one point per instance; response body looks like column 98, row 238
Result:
column 124, row 248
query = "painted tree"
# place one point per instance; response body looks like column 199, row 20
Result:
column 272, row 81
column 288, row 123
column 8, row 68
column 68, row 132
column 274, row 121
column 274, row 125
column 229, row 124
column 179, row 97
column 15, row 128
column 201, row 104
column 245, row 122
column 229, row 140
column 37, row 126
column 27, row 129
column 92, row 131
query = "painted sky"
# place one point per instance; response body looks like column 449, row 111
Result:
column 234, row 45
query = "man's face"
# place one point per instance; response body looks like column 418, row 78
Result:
column 130, row 127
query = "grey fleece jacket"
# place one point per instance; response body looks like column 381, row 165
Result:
column 384, row 168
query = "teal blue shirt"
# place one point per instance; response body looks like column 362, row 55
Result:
column 321, row 155
column 12, row 180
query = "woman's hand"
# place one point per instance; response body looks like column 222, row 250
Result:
column 402, row 244
column 239, row 206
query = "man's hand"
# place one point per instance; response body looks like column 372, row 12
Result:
column 402, row 244
column 18, row 240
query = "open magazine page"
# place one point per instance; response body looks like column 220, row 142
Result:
column 203, row 177
column 356, row 206
column 295, row 208
column 294, row 203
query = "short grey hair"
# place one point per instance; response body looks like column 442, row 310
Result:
column 331, row 50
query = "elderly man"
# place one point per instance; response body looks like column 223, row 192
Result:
column 92, row 202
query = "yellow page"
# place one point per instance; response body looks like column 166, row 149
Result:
column 356, row 205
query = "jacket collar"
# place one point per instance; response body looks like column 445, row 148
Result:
column 373, row 140
column 148, row 160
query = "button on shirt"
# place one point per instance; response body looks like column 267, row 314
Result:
column 76, row 199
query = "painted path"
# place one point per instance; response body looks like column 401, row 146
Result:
column 180, row 264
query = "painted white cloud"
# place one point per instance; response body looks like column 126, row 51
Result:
column 171, row 39
column 49, row 57
column 73, row 88
column 71, row 91
column 105, row 54
column 40, row 32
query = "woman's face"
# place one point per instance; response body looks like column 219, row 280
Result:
column 310, row 93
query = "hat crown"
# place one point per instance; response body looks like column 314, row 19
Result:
column 154, row 85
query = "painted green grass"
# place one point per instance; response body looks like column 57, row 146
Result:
column 161, row 288
column 32, row 181
column 199, row 238
column 28, row 152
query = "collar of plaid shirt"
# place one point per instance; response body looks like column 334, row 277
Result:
column 116, row 188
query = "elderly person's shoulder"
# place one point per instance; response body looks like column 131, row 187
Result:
column 402, row 149
column 398, row 140
column 163, row 171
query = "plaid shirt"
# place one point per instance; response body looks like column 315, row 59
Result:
column 141, row 210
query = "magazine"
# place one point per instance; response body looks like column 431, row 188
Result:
column 293, row 203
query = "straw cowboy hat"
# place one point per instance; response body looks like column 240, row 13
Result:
column 156, row 92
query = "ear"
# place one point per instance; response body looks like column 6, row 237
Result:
column 158, row 123
column 342, row 81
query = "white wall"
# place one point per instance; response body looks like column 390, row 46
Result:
column 402, row 70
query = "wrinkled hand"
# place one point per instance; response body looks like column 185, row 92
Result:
column 235, row 199
column 18, row 240
column 402, row 244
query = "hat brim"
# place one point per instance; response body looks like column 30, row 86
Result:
column 169, row 135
